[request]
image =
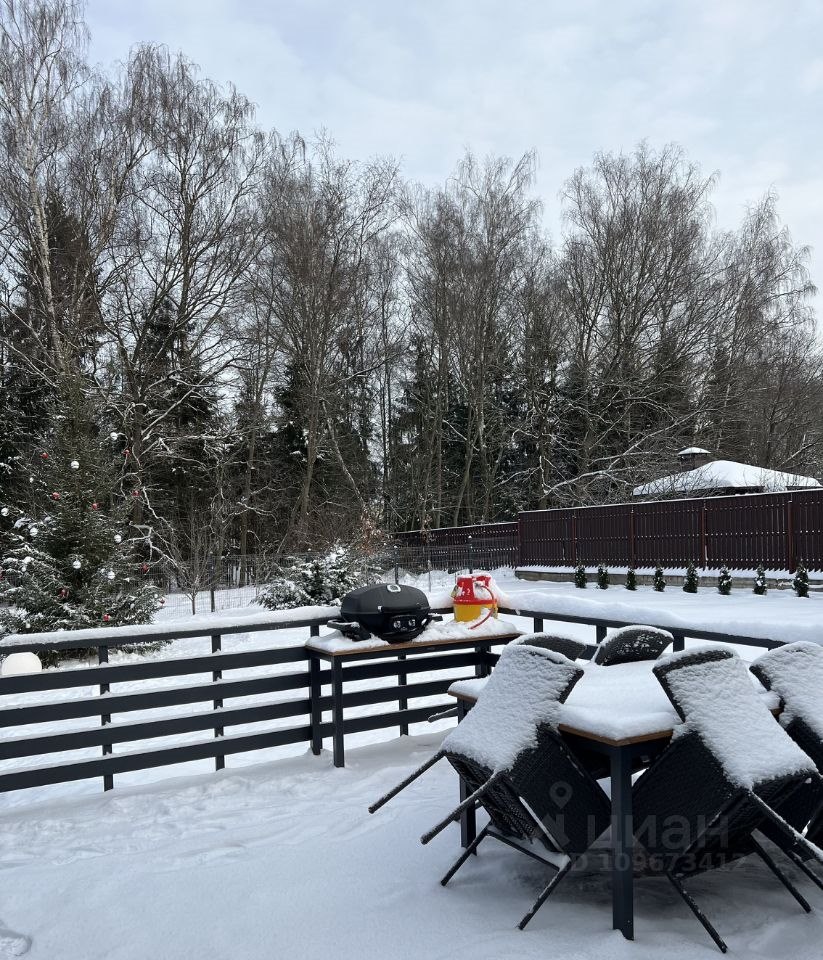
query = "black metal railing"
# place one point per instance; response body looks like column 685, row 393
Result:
column 300, row 695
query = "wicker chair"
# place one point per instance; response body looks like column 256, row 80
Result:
column 631, row 644
column 568, row 646
column 795, row 673
column 514, row 763
column 725, row 773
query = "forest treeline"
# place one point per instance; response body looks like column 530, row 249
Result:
column 283, row 348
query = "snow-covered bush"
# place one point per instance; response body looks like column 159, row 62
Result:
column 316, row 580
column 690, row 583
column 724, row 582
column 760, row 581
column 603, row 576
column 659, row 581
column 580, row 575
column 801, row 580
column 631, row 579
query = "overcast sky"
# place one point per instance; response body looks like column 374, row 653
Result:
column 739, row 83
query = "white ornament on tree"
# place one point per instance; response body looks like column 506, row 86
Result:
column 74, row 465
column 113, row 435
column 110, row 575
column 118, row 538
column 76, row 564
column 33, row 531
column 5, row 511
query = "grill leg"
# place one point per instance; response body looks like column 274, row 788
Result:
column 464, row 856
column 690, row 903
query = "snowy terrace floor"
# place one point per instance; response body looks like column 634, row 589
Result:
column 277, row 855
column 283, row 860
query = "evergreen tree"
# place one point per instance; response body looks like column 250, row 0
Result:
column 603, row 576
column 724, row 582
column 71, row 561
column 319, row 580
column 659, row 581
column 801, row 580
column 580, row 575
column 760, row 581
column 690, row 583
column 631, row 579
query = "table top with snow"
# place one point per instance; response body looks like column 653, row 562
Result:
column 447, row 631
column 617, row 703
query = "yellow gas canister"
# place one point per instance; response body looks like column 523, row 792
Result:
column 472, row 595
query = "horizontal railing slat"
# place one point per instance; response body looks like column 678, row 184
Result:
column 360, row 698
column 174, row 696
column 169, row 726
column 150, row 669
column 380, row 720
column 147, row 759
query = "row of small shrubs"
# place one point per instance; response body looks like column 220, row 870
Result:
column 800, row 583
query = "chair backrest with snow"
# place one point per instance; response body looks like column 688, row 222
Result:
column 727, row 769
column 569, row 646
column 630, row 644
column 794, row 672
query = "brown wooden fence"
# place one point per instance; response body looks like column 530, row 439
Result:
column 775, row 529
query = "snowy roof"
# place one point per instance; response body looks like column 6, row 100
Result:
column 724, row 475
column 690, row 450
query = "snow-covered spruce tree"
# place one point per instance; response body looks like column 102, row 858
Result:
column 580, row 576
column 801, row 580
column 631, row 579
column 71, row 559
column 317, row 580
column 659, row 581
column 690, row 582
column 760, row 581
column 724, row 582
column 603, row 576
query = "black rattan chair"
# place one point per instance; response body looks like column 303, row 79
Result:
column 795, row 673
column 569, row 646
column 727, row 770
column 630, row 644
column 512, row 759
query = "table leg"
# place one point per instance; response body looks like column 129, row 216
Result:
column 468, row 818
column 315, row 692
column 337, row 712
column 622, row 841
column 403, row 703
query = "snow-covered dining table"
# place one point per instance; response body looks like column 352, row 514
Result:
column 622, row 713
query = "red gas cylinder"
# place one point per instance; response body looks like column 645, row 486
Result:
column 473, row 593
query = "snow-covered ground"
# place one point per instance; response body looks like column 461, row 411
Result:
column 283, row 861
column 277, row 856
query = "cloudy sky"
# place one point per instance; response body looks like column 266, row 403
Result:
column 739, row 83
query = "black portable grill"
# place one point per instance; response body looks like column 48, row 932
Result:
column 390, row 611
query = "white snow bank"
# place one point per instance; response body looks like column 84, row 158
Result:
column 522, row 693
column 202, row 624
column 795, row 673
column 721, row 706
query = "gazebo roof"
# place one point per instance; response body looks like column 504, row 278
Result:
column 724, row 475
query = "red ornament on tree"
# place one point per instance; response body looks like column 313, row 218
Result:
column 126, row 452
column 144, row 568
column 94, row 506
column 55, row 496
column 106, row 618
column 135, row 493
column 63, row 593
column 44, row 456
